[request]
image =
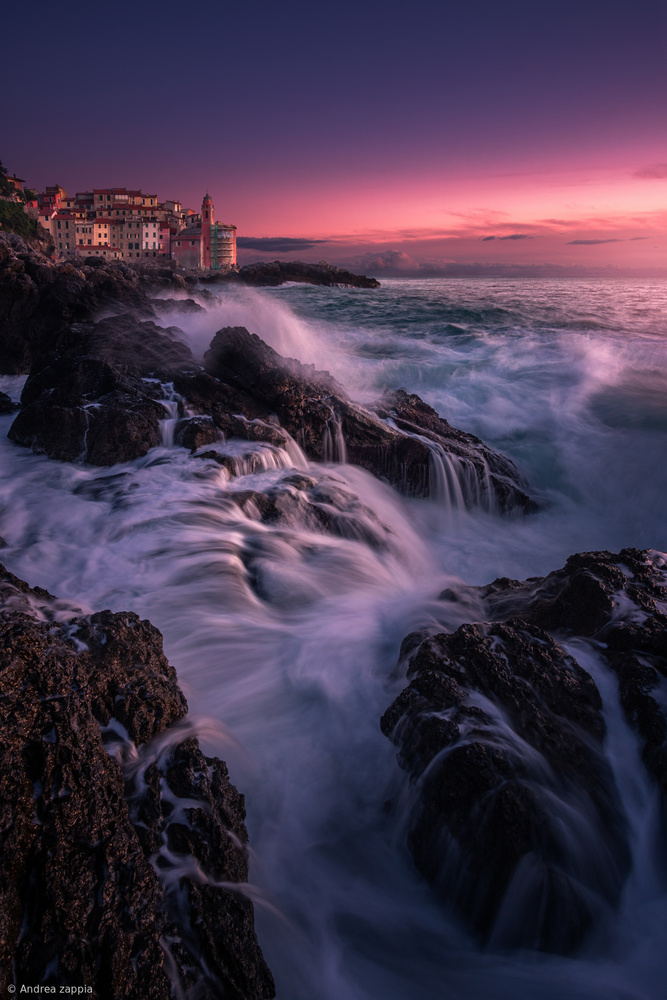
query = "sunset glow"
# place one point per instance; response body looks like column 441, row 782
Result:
column 545, row 124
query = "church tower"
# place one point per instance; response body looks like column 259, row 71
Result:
column 207, row 219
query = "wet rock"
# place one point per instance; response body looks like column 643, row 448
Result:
column 493, row 471
column 186, row 808
column 185, row 306
column 196, row 432
column 141, row 344
column 80, row 902
column 6, row 404
column 619, row 600
column 498, row 719
column 40, row 299
column 319, row 415
column 317, row 506
column 518, row 820
column 86, row 409
column 276, row 272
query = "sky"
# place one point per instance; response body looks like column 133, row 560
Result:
column 397, row 138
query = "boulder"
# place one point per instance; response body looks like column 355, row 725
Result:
column 40, row 299
column 517, row 821
column 87, row 409
column 81, row 904
column 619, row 600
column 319, row 415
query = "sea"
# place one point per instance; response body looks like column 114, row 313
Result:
column 286, row 639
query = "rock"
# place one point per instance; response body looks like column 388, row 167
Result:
column 196, row 432
column 40, row 299
column 497, row 720
column 6, row 404
column 495, row 474
column 141, row 344
column 80, row 902
column 86, row 409
column 316, row 506
column 318, row 414
column 185, row 306
column 210, row 924
column 619, row 599
column 276, row 272
column 497, row 726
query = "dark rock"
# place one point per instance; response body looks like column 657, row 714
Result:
column 6, row 404
column 86, row 409
column 40, row 299
column 184, row 306
column 196, row 432
column 127, row 340
column 210, row 928
column 619, row 599
column 319, row 415
column 80, row 904
column 485, row 800
column 276, row 272
column 316, row 506
column 497, row 725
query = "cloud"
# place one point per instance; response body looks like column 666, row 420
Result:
column 394, row 261
column 656, row 171
column 590, row 243
column 512, row 236
column 277, row 244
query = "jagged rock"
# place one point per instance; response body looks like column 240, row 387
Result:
column 497, row 719
column 318, row 506
column 128, row 340
column 276, row 272
column 80, row 904
column 410, row 413
column 40, row 299
column 210, row 931
column 86, row 409
column 619, row 599
column 6, row 404
column 184, row 306
column 318, row 413
column 196, row 432
column 496, row 722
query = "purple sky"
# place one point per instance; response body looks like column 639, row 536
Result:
column 404, row 136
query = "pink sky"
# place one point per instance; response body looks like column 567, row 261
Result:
column 618, row 215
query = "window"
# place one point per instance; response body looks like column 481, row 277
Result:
column 60, row 245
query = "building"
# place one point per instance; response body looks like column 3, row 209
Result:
column 206, row 244
column 130, row 225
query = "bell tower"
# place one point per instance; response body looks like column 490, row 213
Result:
column 207, row 219
column 207, row 211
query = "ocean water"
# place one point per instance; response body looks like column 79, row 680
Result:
column 285, row 639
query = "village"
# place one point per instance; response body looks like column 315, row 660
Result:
column 124, row 224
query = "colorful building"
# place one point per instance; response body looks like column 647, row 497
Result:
column 131, row 225
column 208, row 244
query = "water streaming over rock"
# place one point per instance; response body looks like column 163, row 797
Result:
column 284, row 616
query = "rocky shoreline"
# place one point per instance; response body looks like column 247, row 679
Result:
column 88, row 839
column 104, row 786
